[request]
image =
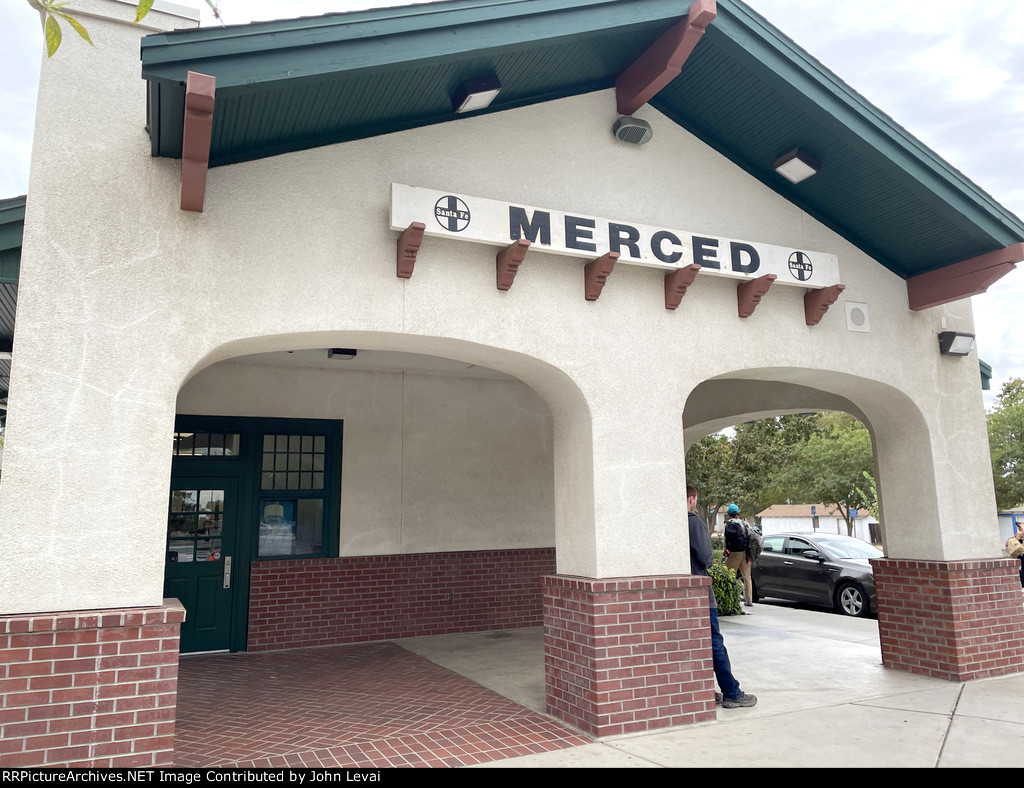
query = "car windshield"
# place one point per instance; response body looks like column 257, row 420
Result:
column 849, row 548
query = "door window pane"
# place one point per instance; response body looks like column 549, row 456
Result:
column 195, row 525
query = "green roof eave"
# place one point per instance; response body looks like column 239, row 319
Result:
column 309, row 47
column 12, row 222
column 866, row 129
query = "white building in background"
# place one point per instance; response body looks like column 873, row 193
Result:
column 821, row 518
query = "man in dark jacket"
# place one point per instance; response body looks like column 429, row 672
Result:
column 701, row 558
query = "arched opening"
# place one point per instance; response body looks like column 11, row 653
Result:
column 904, row 472
column 405, row 491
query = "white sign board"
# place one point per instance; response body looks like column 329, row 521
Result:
column 480, row 220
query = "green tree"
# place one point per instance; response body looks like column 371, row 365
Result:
column 1006, row 444
column 52, row 13
column 762, row 450
column 710, row 469
column 743, row 468
column 831, row 467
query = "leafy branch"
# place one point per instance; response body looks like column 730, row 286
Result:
column 52, row 13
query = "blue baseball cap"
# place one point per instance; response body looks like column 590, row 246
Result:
column 733, row 509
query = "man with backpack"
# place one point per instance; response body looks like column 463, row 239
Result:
column 742, row 546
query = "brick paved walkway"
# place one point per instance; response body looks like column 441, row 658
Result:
column 367, row 705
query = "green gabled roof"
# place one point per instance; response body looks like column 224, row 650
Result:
column 747, row 91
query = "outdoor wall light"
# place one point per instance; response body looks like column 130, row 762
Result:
column 474, row 94
column 955, row 343
column 797, row 165
column 342, row 352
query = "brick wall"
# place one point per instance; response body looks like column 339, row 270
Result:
column 628, row 654
column 314, row 602
column 90, row 688
column 956, row 620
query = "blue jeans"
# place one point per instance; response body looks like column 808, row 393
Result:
column 720, row 659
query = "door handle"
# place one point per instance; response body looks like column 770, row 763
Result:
column 227, row 571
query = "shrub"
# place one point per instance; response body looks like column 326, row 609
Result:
column 728, row 589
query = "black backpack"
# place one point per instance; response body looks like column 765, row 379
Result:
column 735, row 536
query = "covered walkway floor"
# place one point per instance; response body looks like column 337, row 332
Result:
column 363, row 705
column 478, row 699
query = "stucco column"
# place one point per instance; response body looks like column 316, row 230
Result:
column 83, row 500
column 620, row 482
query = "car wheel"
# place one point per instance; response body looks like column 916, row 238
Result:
column 852, row 601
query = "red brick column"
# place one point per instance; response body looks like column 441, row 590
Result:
column 956, row 620
column 89, row 688
column 628, row 654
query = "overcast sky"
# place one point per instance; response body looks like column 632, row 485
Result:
column 951, row 72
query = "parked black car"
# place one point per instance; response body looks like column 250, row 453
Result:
column 822, row 569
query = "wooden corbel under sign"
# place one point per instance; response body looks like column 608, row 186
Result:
column 817, row 302
column 749, row 294
column 595, row 274
column 408, row 246
column 678, row 282
column 508, row 261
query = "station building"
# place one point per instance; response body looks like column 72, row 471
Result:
column 315, row 346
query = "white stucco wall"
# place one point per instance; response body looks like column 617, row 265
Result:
column 429, row 462
column 123, row 297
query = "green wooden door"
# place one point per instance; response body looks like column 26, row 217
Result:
column 199, row 568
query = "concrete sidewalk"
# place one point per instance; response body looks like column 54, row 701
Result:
column 824, row 700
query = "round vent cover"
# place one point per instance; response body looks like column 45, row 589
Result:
column 632, row 130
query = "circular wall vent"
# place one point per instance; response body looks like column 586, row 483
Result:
column 632, row 130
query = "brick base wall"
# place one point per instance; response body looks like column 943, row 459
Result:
column 956, row 620
column 90, row 688
column 628, row 654
column 326, row 601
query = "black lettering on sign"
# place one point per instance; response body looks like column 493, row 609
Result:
column 704, row 251
column 620, row 235
column 656, row 247
column 577, row 232
column 753, row 258
column 520, row 226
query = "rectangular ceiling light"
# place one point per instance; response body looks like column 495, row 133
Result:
column 797, row 165
column 474, row 94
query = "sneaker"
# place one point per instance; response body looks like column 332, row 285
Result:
column 748, row 604
column 718, row 698
column 744, row 701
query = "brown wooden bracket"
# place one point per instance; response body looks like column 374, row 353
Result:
column 508, row 261
column 663, row 61
column 817, row 302
column 595, row 274
column 195, row 139
column 749, row 294
column 677, row 282
column 964, row 279
column 408, row 245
